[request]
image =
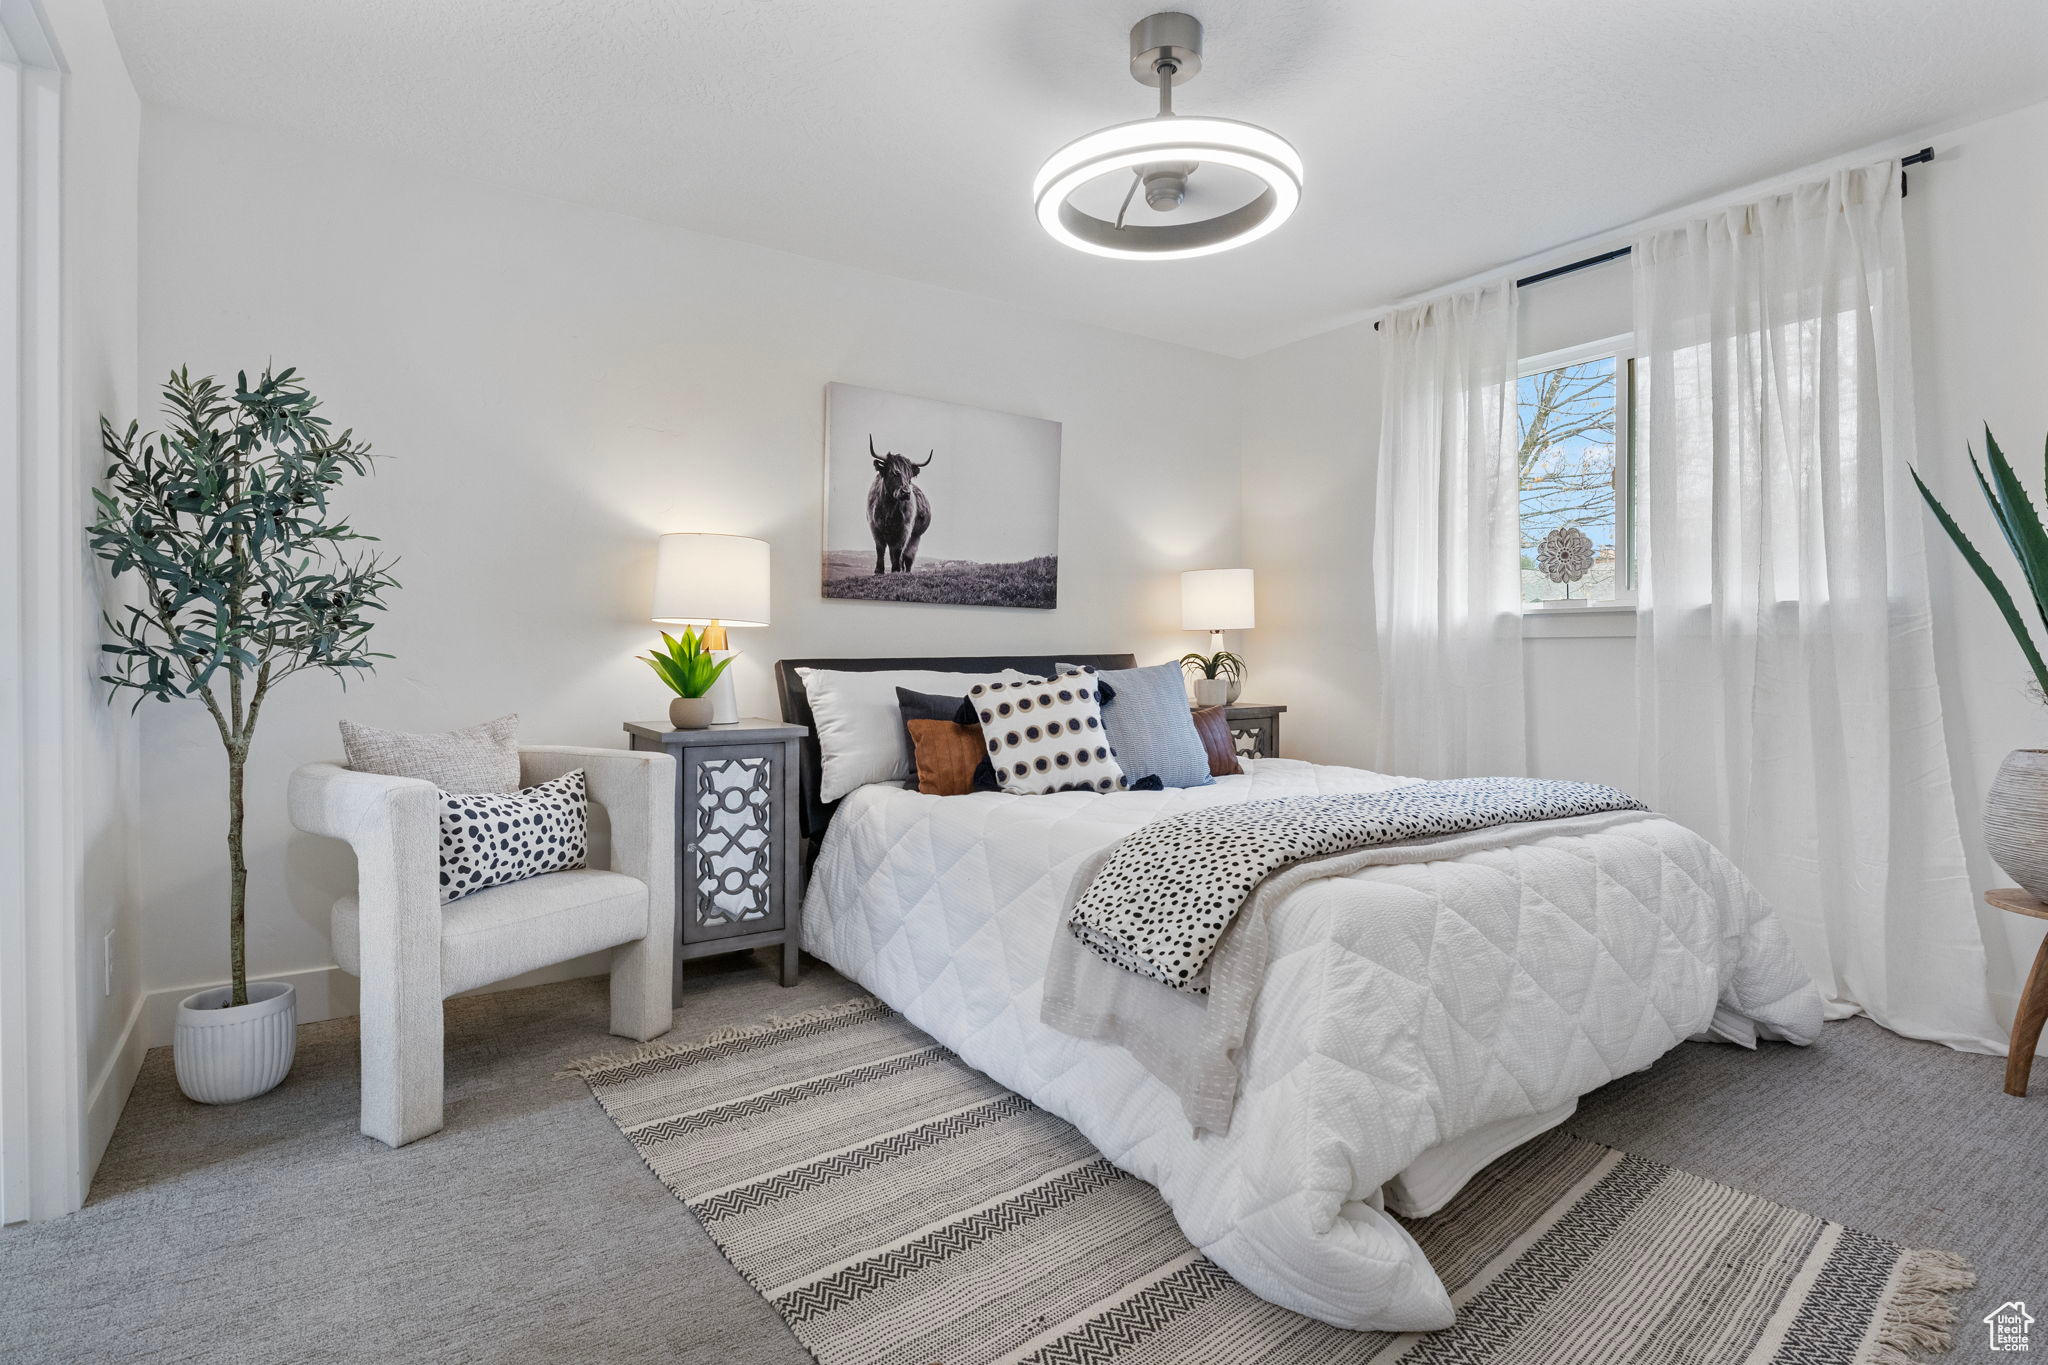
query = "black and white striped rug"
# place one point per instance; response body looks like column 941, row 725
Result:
column 895, row 1205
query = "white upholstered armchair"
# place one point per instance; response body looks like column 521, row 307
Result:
column 410, row 951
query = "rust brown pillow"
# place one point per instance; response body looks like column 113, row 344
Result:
column 1212, row 723
column 945, row 754
column 928, row 706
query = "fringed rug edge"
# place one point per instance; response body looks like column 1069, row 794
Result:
column 589, row 1068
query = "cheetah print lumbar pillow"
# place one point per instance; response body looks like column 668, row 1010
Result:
column 489, row 839
column 1045, row 734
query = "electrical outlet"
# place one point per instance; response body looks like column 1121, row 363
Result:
column 107, row 964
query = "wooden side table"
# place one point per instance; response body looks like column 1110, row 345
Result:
column 739, row 880
column 1254, row 729
column 2033, row 1010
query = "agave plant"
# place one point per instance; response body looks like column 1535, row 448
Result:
column 1222, row 664
column 685, row 665
column 2017, row 520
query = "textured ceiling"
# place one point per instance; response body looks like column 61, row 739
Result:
column 901, row 135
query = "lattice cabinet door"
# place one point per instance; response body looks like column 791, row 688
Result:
column 738, row 876
column 1248, row 738
column 729, row 838
column 1254, row 730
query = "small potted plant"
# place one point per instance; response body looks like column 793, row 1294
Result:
column 247, row 578
column 1218, row 677
column 690, row 670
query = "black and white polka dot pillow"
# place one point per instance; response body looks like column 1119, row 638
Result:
column 492, row 838
column 1045, row 734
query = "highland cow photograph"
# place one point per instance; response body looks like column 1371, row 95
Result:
column 938, row 502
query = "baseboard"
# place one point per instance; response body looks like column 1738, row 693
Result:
column 110, row 1089
column 323, row 993
column 327, row 993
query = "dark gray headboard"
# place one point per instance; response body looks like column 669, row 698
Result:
column 796, row 706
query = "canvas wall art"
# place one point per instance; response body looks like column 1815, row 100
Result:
column 937, row 502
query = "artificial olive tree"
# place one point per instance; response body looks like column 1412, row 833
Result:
column 245, row 575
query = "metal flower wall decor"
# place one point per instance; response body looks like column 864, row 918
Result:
column 1565, row 555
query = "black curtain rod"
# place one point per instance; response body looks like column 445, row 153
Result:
column 1573, row 267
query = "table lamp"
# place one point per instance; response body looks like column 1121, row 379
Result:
column 712, row 581
column 1217, row 600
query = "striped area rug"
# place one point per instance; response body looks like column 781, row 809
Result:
column 895, row 1205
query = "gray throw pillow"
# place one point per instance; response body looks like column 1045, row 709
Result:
column 483, row 758
column 1151, row 727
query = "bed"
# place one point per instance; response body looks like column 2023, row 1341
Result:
column 1416, row 1018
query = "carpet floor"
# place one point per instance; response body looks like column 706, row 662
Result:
column 530, row 1229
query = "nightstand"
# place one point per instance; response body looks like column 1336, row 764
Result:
column 739, row 879
column 1254, row 729
column 2033, row 1010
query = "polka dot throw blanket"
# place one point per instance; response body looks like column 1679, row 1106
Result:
column 1167, row 893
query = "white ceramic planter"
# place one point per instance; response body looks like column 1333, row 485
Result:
column 1212, row 692
column 225, row 1055
column 2016, row 819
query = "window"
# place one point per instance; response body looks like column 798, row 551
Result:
column 1575, row 468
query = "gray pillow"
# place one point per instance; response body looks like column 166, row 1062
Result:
column 483, row 758
column 1150, row 726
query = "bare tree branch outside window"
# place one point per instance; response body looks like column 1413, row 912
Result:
column 1566, row 462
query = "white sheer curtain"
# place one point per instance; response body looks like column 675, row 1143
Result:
column 1786, row 693
column 1447, row 541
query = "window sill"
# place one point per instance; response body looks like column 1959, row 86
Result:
column 1579, row 623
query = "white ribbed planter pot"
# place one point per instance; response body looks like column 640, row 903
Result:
column 227, row 1055
column 2016, row 819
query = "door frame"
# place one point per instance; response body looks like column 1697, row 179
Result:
column 42, row 1110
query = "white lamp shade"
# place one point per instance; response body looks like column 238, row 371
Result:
column 1216, row 599
column 702, row 578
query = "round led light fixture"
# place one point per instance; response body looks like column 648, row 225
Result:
column 1209, row 184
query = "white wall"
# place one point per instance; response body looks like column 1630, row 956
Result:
column 102, row 135
column 102, row 126
column 1311, row 428
column 1976, row 224
column 1977, row 236
column 551, row 387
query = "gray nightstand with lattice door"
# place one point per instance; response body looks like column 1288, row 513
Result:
column 739, row 878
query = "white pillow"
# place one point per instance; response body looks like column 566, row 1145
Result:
column 489, row 838
column 1046, row 735
column 860, row 727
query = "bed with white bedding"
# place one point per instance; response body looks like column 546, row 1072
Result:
column 1415, row 1018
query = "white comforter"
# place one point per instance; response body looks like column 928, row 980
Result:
column 1403, row 1006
